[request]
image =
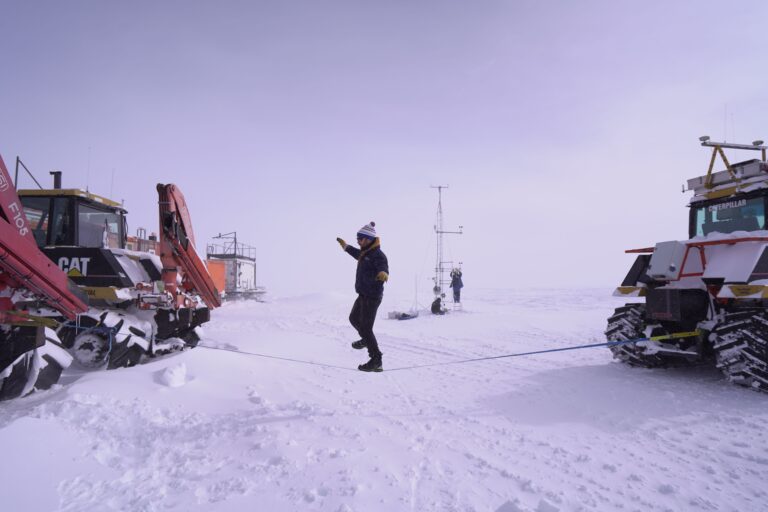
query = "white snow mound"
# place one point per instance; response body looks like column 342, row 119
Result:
column 174, row 376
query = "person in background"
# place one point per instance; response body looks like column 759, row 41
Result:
column 437, row 306
column 372, row 273
column 457, row 284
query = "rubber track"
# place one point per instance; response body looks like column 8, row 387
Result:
column 741, row 348
column 628, row 323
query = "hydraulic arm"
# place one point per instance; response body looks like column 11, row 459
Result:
column 177, row 248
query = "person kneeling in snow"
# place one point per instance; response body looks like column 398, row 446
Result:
column 437, row 306
column 372, row 273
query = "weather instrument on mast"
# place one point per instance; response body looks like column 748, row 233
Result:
column 441, row 264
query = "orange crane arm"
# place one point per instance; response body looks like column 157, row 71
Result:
column 177, row 248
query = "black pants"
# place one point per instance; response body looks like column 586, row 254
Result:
column 361, row 317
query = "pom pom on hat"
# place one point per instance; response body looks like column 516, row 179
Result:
column 368, row 231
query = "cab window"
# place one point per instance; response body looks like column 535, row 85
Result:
column 36, row 210
column 98, row 228
column 729, row 216
column 62, row 228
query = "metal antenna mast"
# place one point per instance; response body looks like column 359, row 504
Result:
column 439, row 280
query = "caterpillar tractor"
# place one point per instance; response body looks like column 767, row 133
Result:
column 704, row 300
column 71, row 290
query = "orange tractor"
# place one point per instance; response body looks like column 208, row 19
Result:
column 70, row 289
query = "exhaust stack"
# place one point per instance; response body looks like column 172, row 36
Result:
column 56, row 179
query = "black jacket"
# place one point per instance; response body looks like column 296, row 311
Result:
column 370, row 262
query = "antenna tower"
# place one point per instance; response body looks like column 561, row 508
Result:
column 440, row 265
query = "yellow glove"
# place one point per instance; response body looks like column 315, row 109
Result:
column 382, row 276
column 342, row 243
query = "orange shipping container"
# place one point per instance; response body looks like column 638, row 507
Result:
column 218, row 272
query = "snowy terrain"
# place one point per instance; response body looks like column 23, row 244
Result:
column 219, row 431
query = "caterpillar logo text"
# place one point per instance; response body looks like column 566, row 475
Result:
column 74, row 267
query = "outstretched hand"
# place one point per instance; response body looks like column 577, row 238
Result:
column 342, row 243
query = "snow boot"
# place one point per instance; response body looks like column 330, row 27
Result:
column 374, row 365
column 359, row 344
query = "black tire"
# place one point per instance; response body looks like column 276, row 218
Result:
column 111, row 342
column 740, row 342
column 191, row 338
column 36, row 369
column 123, row 355
column 628, row 323
column 17, row 375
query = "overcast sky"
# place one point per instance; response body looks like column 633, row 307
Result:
column 564, row 129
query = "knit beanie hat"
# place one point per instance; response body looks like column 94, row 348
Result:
column 368, row 231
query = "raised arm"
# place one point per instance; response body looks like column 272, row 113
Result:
column 352, row 251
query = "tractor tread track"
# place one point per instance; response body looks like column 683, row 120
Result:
column 628, row 323
column 741, row 347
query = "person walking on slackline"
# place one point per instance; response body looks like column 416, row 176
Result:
column 372, row 273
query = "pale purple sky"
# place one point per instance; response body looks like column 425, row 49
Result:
column 564, row 129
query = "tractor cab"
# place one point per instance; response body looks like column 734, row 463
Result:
column 74, row 218
column 734, row 199
column 84, row 234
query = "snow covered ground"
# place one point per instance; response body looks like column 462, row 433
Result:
column 219, row 431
